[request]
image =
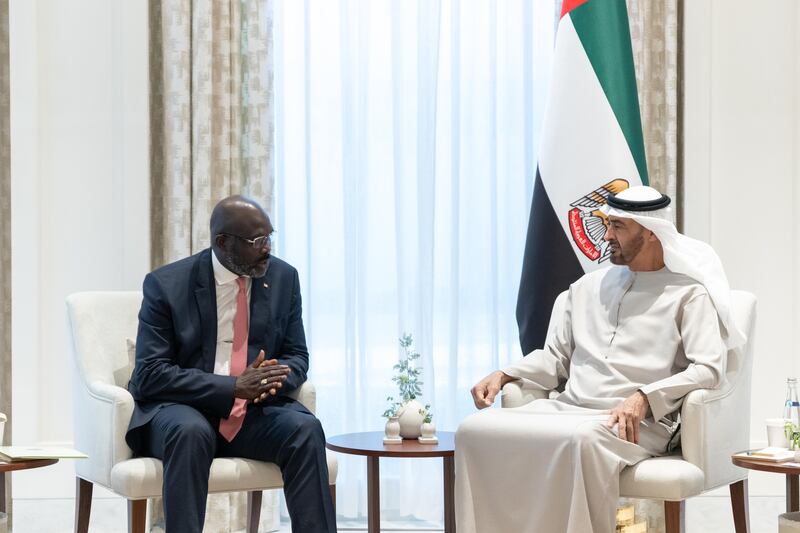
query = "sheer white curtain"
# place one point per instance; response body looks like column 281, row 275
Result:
column 405, row 151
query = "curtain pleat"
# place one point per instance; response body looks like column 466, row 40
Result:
column 654, row 38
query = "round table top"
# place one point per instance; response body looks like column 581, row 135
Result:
column 764, row 466
column 26, row 465
column 371, row 444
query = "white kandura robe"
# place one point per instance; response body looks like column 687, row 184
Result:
column 552, row 466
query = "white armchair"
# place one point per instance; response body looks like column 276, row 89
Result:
column 714, row 425
column 101, row 322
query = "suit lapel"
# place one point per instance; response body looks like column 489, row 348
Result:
column 206, row 295
column 260, row 317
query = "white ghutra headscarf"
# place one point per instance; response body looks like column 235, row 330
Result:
column 682, row 254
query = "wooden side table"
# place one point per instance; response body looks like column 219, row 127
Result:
column 370, row 444
column 790, row 470
column 18, row 465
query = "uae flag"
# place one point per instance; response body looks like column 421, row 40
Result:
column 591, row 147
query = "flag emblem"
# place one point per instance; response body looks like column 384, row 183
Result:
column 588, row 225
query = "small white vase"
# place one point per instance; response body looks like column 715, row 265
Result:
column 391, row 433
column 410, row 419
column 393, row 427
column 428, row 433
column 427, row 430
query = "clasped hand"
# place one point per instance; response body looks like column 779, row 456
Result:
column 261, row 379
column 628, row 415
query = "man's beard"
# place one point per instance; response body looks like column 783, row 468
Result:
column 238, row 266
column 634, row 247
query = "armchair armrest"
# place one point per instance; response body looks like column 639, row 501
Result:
column 715, row 424
column 102, row 414
column 307, row 395
column 516, row 394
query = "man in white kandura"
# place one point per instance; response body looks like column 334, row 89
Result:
column 634, row 338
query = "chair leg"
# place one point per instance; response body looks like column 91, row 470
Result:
column 83, row 504
column 333, row 497
column 253, row 510
column 740, row 506
column 137, row 515
column 675, row 516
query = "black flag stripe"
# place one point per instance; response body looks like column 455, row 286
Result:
column 549, row 266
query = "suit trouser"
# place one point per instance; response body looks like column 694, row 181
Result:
column 281, row 431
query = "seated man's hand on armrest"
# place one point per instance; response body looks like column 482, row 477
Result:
column 628, row 415
column 485, row 391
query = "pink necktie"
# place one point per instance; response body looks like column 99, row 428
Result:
column 230, row 426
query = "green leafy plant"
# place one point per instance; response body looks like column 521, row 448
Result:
column 391, row 410
column 792, row 435
column 407, row 377
column 427, row 414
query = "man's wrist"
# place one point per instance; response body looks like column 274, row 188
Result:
column 646, row 401
column 505, row 378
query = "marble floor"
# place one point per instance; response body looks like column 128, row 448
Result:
column 705, row 514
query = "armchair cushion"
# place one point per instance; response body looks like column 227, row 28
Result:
column 142, row 477
column 662, row 478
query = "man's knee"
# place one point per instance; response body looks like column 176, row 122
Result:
column 589, row 434
column 194, row 434
column 306, row 437
column 465, row 431
column 473, row 429
column 309, row 429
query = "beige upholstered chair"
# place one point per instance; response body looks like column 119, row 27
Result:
column 101, row 323
column 714, row 425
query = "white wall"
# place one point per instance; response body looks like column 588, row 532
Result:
column 742, row 175
column 80, row 195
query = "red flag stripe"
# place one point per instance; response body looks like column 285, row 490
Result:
column 569, row 5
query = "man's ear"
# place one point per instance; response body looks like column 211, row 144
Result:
column 220, row 240
column 652, row 236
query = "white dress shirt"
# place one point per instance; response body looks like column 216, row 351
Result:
column 227, row 291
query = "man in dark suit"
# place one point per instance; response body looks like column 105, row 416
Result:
column 202, row 384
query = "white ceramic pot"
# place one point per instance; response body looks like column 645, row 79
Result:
column 428, row 430
column 392, row 430
column 410, row 419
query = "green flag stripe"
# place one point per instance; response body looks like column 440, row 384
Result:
column 602, row 26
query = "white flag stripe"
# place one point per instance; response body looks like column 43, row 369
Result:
column 583, row 146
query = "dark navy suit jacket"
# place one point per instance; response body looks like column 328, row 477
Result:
column 176, row 342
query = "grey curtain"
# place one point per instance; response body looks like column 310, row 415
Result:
column 210, row 137
column 210, row 115
column 655, row 41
